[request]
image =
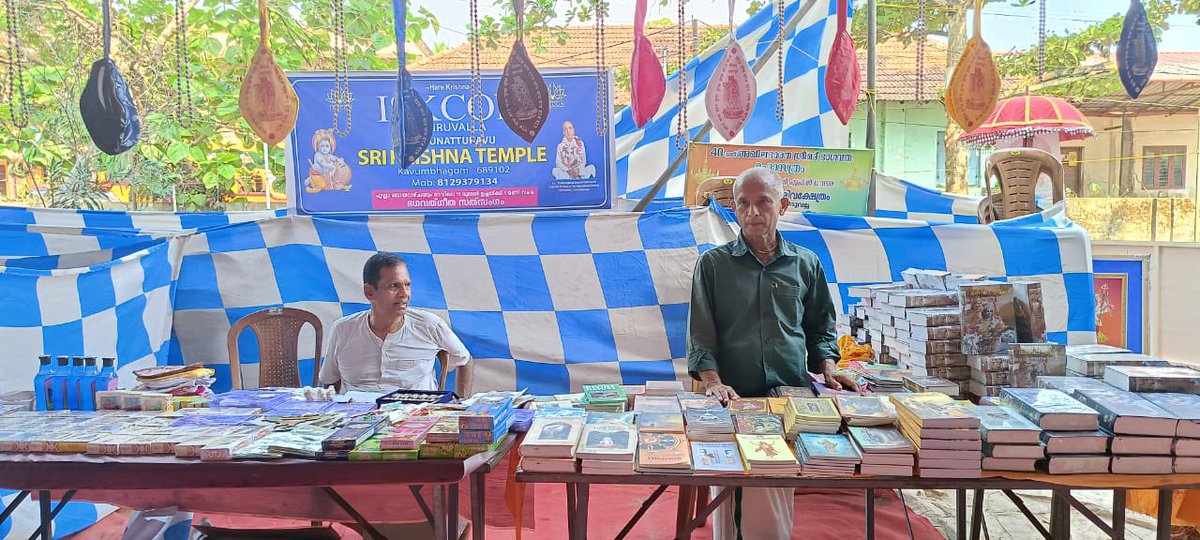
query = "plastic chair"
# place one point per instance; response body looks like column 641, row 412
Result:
column 278, row 334
column 1017, row 171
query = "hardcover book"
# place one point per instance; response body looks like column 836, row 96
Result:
column 758, row 424
column 1092, row 365
column 988, row 320
column 1029, row 312
column 1051, row 409
column 930, row 333
column 607, row 442
column 1068, row 385
column 717, row 457
column 1075, row 442
column 1003, row 425
column 552, row 437
column 1154, row 378
column 603, row 394
column 1082, row 464
column 624, row 418
column 1186, row 407
column 989, row 362
column 1028, row 361
column 949, row 316
column 1124, row 412
column 934, row 410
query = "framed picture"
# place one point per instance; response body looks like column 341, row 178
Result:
column 1119, row 286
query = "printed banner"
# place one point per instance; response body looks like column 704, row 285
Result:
column 823, row 180
column 567, row 167
column 1120, row 289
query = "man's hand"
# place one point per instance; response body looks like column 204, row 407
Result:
column 838, row 379
column 713, row 387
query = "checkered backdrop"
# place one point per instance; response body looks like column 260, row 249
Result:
column 643, row 154
column 901, row 199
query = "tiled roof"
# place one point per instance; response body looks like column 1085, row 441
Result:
column 896, row 74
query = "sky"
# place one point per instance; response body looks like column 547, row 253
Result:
column 1004, row 27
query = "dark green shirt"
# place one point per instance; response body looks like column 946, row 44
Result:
column 760, row 326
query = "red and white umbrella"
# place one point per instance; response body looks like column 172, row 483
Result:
column 1028, row 116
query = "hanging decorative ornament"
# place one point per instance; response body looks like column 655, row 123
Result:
column 185, row 110
column 267, row 101
column 682, row 135
column 974, row 88
column 1137, row 52
column 602, row 114
column 339, row 98
column 842, row 79
column 476, row 103
column 523, row 99
column 412, row 123
column 14, row 92
column 732, row 90
column 921, row 39
column 646, row 78
column 781, row 51
column 106, row 106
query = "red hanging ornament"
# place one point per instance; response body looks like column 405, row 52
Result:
column 842, row 78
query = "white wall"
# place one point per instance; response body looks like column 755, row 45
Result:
column 1101, row 154
column 1174, row 295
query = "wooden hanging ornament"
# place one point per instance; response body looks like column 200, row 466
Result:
column 106, row 105
column 1137, row 51
column 842, row 78
column 646, row 80
column 732, row 89
column 522, row 98
column 267, row 101
column 412, row 122
column 974, row 88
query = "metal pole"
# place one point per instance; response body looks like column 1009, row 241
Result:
column 267, row 171
column 758, row 65
column 872, row 42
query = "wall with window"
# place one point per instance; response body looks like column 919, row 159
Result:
column 1164, row 156
column 910, row 143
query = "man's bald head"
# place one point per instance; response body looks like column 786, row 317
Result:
column 759, row 201
column 761, row 175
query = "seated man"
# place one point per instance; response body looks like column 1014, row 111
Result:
column 391, row 346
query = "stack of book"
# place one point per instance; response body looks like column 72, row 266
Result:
column 486, row 420
column 944, row 432
column 1143, row 434
column 823, row 454
column 920, row 383
column 758, row 424
column 709, row 425
column 664, row 388
column 1010, row 441
column 1029, row 311
column 884, row 379
column 988, row 317
column 608, row 397
column 1185, row 407
column 1028, row 361
column 717, row 458
column 698, row 402
column 884, row 451
column 989, row 373
column 813, row 415
column 608, row 444
column 866, row 410
column 409, row 434
column 1069, row 384
column 1176, row 379
column 660, row 422
column 791, row 391
column 663, row 453
column 550, row 445
column 658, row 404
column 1070, row 429
column 1092, row 364
column 750, row 405
column 767, row 455
column 872, row 319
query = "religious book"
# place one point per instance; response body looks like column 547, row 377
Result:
column 829, row 446
column 1177, row 379
column 661, row 422
column 656, row 404
column 918, row 383
column 604, row 394
column 717, row 458
column 880, row 440
column 815, row 415
column 699, row 402
column 988, row 321
column 930, row 317
column 988, row 363
column 1142, row 465
column 866, row 410
column 1023, row 451
column 1094, row 348
column 1009, row 464
column 1069, row 385
column 607, row 442
column 1186, row 447
column 937, row 360
column 709, row 424
column 792, row 391
column 623, row 418
column 552, row 437
column 1029, row 311
column 1076, row 464
column 934, row 410
column 921, row 298
column 1187, row 465
column 1051, row 409
column 1127, row 413
column 1075, row 442
column 752, row 405
column 663, row 388
column 1028, row 361
column 758, row 424
column 766, row 454
column 1137, row 445
column 1003, row 425
column 1185, row 407
column 663, row 452
column 1092, row 365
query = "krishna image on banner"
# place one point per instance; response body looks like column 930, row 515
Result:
column 1112, row 296
column 326, row 171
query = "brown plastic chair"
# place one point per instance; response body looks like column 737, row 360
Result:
column 278, row 333
column 989, row 209
column 1017, row 171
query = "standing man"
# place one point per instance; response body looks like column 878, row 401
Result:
column 761, row 316
column 391, row 345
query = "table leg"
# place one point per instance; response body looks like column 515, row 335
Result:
column 684, row 509
column 581, row 500
column 703, row 515
column 12, row 507
column 478, row 499
column 1025, row 511
column 960, row 513
column 870, row 513
column 977, row 514
column 1118, row 519
column 47, row 525
column 369, row 531
column 637, row 516
column 452, row 512
column 1165, row 509
column 416, row 493
column 439, row 512
column 1060, row 516
column 571, row 510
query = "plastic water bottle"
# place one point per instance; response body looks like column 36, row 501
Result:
column 58, row 384
column 72, row 382
column 41, row 384
column 107, row 379
column 87, row 384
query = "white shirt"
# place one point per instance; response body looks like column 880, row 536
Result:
column 404, row 359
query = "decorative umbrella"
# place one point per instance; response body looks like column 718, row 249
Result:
column 1027, row 116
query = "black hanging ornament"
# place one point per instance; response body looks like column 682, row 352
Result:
column 106, row 106
column 522, row 98
column 412, row 122
column 1137, row 52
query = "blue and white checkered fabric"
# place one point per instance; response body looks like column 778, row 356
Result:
column 1044, row 247
column 643, row 154
column 74, row 517
column 900, row 199
column 545, row 302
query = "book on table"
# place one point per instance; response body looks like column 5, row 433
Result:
column 607, row 442
column 552, row 438
column 758, row 424
column 933, row 410
column 1178, row 379
column 1069, row 384
column 1076, row 464
column 548, row 465
column 1132, row 445
column 1127, row 413
column 1075, row 442
column 717, row 458
column 657, row 404
column 1185, row 407
column 699, row 402
column 1142, row 465
column 815, row 415
column 709, row 424
column 663, row 453
column 1092, row 365
column 753, row 405
column 661, row 422
column 1009, row 464
column 766, row 454
column 664, row 388
column 825, row 454
column 623, row 418
column 1051, row 409
column 866, row 410
column 1014, row 451
column 998, row 424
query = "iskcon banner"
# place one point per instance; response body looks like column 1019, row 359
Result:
column 568, row 166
